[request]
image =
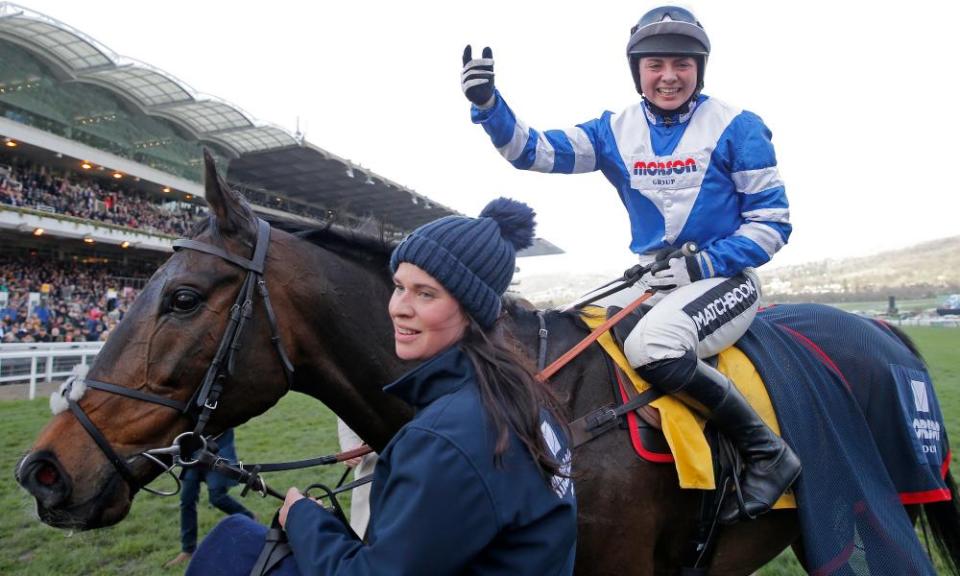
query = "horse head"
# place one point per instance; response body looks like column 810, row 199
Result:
column 239, row 314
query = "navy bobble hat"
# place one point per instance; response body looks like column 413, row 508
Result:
column 473, row 258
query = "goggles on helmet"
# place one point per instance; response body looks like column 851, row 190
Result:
column 666, row 27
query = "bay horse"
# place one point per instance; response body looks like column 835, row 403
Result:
column 326, row 317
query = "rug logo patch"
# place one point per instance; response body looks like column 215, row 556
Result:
column 920, row 399
column 921, row 414
column 927, row 430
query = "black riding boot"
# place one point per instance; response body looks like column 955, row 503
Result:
column 770, row 466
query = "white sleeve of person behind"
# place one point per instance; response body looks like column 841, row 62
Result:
column 360, row 497
column 562, row 484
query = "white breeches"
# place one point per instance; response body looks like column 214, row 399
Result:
column 705, row 316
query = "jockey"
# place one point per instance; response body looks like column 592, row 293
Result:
column 687, row 167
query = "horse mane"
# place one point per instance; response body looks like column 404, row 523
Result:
column 358, row 241
column 362, row 241
column 346, row 240
column 522, row 310
column 906, row 340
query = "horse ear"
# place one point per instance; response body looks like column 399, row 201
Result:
column 232, row 214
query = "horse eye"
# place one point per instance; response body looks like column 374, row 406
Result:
column 184, row 300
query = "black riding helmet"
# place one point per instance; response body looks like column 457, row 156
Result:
column 668, row 31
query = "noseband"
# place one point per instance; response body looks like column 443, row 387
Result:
column 206, row 397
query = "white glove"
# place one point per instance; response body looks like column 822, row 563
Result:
column 679, row 271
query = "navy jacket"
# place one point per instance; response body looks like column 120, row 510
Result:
column 439, row 504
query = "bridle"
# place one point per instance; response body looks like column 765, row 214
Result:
column 206, row 397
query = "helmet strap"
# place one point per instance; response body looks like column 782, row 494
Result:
column 682, row 109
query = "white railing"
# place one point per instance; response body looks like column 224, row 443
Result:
column 43, row 362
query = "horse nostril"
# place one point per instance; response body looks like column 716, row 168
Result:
column 47, row 474
column 41, row 475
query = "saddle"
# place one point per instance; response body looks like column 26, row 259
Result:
column 668, row 431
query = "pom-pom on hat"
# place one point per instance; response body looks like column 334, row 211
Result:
column 473, row 258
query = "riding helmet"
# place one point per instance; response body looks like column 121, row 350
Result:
column 668, row 31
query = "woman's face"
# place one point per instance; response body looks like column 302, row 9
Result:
column 668, row 81
column 426, row 318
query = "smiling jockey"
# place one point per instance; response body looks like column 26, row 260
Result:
column 687, row 167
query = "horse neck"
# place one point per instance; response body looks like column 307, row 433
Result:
column 343, row 345
column 576, row 384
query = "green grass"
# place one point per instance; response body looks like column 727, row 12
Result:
column 298, row 427
column 904, row 306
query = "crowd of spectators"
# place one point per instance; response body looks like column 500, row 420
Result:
column 41, row 189
column 78, row 302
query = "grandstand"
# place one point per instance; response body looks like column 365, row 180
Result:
column 101, row 168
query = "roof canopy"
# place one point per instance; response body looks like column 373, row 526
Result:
column 59, row 80
column 312, row 176
column 78, row 57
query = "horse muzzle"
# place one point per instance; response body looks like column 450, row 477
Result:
column 42, row 475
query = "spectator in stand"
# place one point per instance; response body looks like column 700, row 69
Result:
column 66, row 194
column 41, row 313
column 8, row 313
column 74, row 298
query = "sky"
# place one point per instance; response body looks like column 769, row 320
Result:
column 856, row 94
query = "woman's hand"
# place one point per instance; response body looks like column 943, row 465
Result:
column 293, row 495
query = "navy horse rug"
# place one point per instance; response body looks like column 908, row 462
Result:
column 836, row 380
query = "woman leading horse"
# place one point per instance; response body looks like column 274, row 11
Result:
column 479, row 480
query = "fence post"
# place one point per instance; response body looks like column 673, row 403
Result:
column 33, row 377
column 49, row 375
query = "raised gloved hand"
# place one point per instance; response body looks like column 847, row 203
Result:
column 477, row 77
column 673, row 271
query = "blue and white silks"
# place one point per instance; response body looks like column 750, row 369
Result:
column 709, row 175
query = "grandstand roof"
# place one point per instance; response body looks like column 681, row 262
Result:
column 300, row 173
column 266, row 159
column 158, row 93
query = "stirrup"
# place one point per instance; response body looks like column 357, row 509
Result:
column 783, row 460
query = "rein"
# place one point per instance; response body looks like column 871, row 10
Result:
column 629, row 278
column 249, row 475
column 572, row 353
